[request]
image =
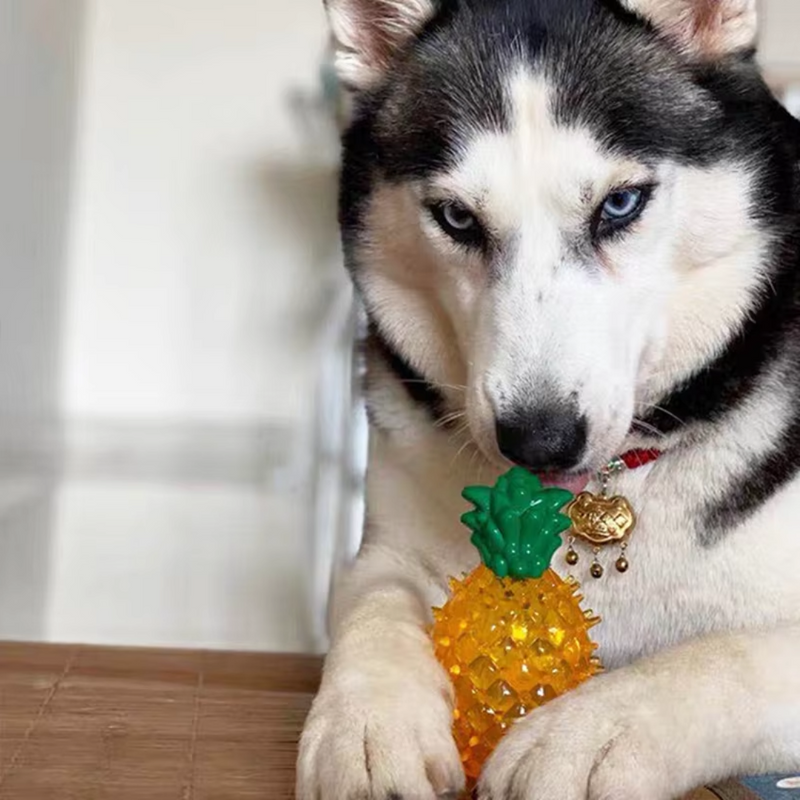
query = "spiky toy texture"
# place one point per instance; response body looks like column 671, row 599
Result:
column 513, row 635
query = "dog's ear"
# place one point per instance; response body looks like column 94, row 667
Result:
column 706, row 29
column 369, row 33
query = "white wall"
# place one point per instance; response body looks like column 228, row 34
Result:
column 163, row 274
column 202, row 253
column 780, row 40
column 177, row 565
column 203, row 225
column 39, row 53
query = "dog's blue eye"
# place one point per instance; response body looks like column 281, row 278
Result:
column 458, row 222
column 457, row 217
column 622, row 203
column 620, row 209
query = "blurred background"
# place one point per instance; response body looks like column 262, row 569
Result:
column 181, row 448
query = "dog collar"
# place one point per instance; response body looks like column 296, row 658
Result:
column 601, row 519
column 634, row 459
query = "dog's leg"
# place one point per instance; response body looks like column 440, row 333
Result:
column 711, row 709
column 380, row 727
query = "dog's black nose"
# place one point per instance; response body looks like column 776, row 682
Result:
column 545, row 440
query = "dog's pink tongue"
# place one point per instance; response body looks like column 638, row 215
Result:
column 572, row 483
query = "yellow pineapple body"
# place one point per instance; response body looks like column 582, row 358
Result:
column 509, row 646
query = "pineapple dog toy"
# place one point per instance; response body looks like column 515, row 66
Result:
column 513, row 634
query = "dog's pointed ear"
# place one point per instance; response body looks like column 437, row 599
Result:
column 706, row 29
column 369, row 33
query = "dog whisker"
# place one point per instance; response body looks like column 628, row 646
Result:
column 449, row 419
column 467, row 444
column 646, row 427
column 663, row 410
column 459, row 432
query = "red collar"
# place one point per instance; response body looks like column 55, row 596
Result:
column 634, row 459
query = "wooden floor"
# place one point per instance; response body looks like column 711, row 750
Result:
column 100, row 724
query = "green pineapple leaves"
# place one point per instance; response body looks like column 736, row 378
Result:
column 517, row 525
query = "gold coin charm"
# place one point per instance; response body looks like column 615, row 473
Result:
column 601, row 520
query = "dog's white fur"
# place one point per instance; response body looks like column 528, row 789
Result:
column 703, row 643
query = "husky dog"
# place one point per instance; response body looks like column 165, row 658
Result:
column 574, row 227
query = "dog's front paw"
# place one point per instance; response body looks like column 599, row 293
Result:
column 382, row 734
column 602, row 742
